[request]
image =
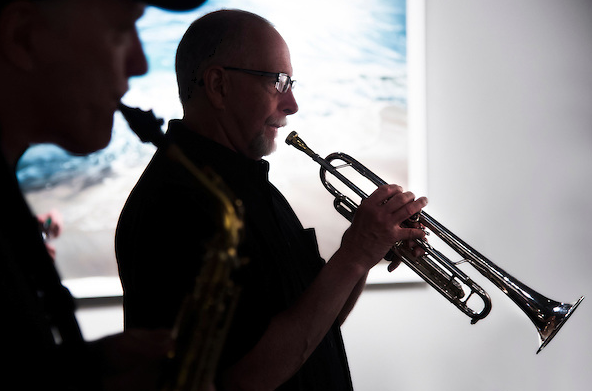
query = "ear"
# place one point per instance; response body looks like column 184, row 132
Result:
column 216, row 86
column 18, row 22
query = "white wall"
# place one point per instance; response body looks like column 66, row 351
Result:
column 509, row 146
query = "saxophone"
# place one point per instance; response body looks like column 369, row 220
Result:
column 203, row 321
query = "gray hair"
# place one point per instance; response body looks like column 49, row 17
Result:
column 214, row 38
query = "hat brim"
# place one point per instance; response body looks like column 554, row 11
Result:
column 176, row 5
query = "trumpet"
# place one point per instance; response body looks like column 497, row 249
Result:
column 438, row 270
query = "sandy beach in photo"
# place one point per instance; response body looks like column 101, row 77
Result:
column 90, row 212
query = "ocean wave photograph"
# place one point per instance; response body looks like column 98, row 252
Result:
column 349, row 63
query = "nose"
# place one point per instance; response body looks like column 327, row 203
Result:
column 289, row 105
column 136, row 63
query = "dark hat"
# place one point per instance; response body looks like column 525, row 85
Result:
column 176, row 5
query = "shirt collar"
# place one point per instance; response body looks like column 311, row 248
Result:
column 208, row 152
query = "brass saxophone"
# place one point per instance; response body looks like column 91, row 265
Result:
column 203, row 321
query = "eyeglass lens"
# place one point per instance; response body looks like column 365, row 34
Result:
column 284, row 83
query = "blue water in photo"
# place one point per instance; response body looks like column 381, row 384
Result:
column 346, row 55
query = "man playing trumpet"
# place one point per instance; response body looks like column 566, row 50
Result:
column 235, row 83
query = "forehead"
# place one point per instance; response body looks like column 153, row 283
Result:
column 265, row 49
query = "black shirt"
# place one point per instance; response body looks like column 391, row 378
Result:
column 41, row 340
column 161, row 238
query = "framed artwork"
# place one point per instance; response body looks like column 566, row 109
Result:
column 359, row 86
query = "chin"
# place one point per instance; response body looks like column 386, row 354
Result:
column 261, row 146
column 96, row 141
column 82, row 150
column 272, row 148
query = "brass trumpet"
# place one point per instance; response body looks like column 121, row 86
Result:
column 435, row 268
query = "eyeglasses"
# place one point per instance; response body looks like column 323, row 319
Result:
column 283, row 82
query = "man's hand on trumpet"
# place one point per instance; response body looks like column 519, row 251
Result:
column 381, row 221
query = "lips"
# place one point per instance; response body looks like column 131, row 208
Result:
column 272, row 132
column 278, row 124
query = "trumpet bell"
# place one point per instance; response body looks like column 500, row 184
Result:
column 555, row 316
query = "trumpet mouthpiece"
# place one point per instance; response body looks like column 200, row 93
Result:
column 290, row 139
